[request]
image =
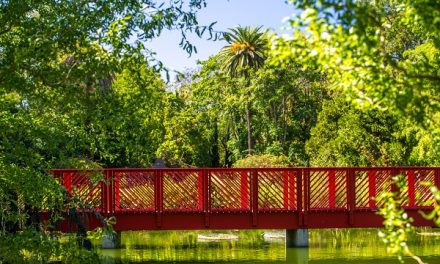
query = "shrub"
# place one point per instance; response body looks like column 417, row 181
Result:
column 262, row 161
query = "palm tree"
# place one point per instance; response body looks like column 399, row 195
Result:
column 245, row 52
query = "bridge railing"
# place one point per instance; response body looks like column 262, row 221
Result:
column 256, row 190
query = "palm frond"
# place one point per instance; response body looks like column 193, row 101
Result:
column 245, row 50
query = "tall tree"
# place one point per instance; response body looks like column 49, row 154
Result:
column 346, row 136
column 381, row 54
column 245, row 52
column 57, row 107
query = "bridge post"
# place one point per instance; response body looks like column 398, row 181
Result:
column 116, row 191
column 67, row 180
column 437, row 178
column 244, row 190
column 297, row 238
column 372, row 189
column 332, row 189
column 111, row 240
column 254, row 192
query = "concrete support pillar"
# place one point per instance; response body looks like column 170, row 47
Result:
column 297, row 238
column 111, row 240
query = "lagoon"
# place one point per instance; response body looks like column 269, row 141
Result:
column 327, row 246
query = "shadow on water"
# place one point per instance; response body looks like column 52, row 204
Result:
column 329, row 246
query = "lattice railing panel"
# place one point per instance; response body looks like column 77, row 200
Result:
column 340, row 197
column 182, row 190
column 230, row 190
column 383, row 181
column 403, row 192
column 424, row 196
column 319, row 190
column 86, row 187
column 134, row 191
column 276, row 190
column 362, row 191
column 223, row 190
column 328, row 189
column 418, row 193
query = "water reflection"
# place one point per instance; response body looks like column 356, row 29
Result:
column 326, row 246
column 297, row 255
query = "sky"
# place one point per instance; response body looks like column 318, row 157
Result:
column 228, row 14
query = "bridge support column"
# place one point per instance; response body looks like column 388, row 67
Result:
column 111, row 240
column 297, row 238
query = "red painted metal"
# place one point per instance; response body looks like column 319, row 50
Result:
column 291, row 189
column 411, row 188
column 306, row 196
column 372, row 188
column 158, row 189
column 288, row 190
column 437, row 178
column 206, row 195
column 285, row 190
column 67, row 181
column 254, row 179
column 299, row 198
column 279, row 198
column 351, row 195
column 332, row 189
column 244, row 185
column 200, row 189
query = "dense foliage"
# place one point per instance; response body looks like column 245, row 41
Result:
column 381, row 55
column 355, row 84
column 77, row 89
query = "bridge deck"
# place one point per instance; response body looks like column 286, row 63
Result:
column 263, row 198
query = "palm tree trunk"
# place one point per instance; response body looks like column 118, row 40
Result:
column 249, row 127
column 215, row 156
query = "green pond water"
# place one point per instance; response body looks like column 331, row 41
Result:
column 329, row 246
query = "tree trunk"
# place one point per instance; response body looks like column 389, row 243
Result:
column 284, row 119
column 227, row 154
column 215, row 156
column 249, row 127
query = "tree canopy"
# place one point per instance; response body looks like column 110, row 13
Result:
column 355, row 84
column 78, row 89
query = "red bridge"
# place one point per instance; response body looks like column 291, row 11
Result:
column 287, row 198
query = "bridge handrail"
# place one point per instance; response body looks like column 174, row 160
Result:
column 249, row 190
